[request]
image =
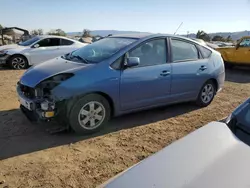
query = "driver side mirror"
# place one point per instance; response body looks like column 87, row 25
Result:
column 36, row 46
column 132, row 61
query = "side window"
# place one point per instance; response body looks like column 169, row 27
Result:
column 182, row 51
column 204, row 51
column 49, row 42
column 245, row 43
column 65, row 42
column 151, row 53
column 117, row 63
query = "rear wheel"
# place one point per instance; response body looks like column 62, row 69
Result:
column 18, row 62
column 206, row 94
column 89, row 114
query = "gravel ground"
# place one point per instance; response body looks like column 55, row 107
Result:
column 31, row 157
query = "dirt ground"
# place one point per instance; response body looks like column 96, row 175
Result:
column 31, row 157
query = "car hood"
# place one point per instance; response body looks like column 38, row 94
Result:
column 36, row 74
column 12, row 46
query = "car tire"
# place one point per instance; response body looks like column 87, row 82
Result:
column 206, row 94
column 18, row 62
column 89, row 114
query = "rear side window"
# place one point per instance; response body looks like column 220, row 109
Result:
column 65, row 42
column 183, row 51
column 206, row 53
column 48, row 42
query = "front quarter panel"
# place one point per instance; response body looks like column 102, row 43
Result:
column 99, row 78
column 20, row 51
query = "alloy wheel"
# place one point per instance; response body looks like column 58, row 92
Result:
column 207, row 93
column 18, row 63
column 91, row 115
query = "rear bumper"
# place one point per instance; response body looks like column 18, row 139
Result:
column 220, row 81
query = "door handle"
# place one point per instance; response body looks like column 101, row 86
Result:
column 202, row 68
column 165, row 73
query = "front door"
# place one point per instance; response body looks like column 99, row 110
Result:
column 189, row 70
column 149, row 83
column 49, row 48
column 242, row 53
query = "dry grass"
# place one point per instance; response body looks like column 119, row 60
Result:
column 33, row 158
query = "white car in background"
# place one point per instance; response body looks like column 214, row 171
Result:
column 36, row 50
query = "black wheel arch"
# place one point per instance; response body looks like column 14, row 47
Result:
column 71, row 102
column 14, row 55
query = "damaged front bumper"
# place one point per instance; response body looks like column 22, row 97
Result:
column 35, row 108
column 4, row 59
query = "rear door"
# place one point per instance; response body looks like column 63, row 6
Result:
column 67, row 46
column 189, row 69
column 48, row 48
column 149, row 83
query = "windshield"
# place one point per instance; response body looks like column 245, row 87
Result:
column 100, row 50
column 29, row 42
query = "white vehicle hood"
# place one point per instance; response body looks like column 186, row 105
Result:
column 13, row 48
column 209, row 157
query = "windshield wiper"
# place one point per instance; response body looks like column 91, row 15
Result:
column 80, row 58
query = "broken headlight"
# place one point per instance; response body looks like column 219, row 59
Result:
column 48, row 84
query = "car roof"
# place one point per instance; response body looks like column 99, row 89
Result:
column 49, row 36
column 148, row 36
column 55, row 36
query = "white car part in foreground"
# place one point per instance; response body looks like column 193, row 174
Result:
column 209, row 157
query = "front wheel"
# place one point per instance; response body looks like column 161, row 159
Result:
column 18, row 62
column 206, row 94
column 89, row 114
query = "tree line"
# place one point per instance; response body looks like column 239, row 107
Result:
column 58, row 32
column 86, row 33
column 206, row 37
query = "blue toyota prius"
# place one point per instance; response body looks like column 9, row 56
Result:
column 118, row 75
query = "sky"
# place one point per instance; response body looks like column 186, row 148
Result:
column 157, row 16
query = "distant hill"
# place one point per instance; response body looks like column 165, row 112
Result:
column 234, row 35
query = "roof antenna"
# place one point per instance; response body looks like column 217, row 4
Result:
column 178, row 28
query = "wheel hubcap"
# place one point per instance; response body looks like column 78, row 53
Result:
column 18, row 63
column 207, row 93
column 91, row 115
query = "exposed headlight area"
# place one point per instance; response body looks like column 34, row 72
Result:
column 39, row 99
column 44, row 88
